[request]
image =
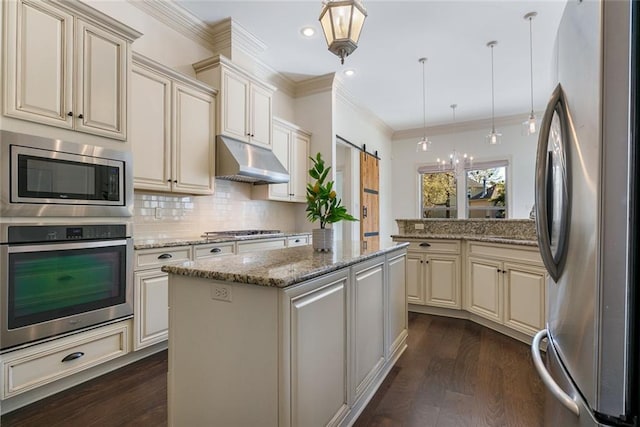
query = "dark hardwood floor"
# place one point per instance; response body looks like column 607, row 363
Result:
column 454, row 373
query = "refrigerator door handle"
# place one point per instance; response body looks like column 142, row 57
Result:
column 546, row 377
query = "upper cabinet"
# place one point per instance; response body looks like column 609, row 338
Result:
column 172, row 130
column 245, row 104
column 291, row 147
column 66, row 65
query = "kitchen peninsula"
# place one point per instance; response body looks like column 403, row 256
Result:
column 286, row 337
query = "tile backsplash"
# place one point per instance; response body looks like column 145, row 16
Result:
column 159, row 215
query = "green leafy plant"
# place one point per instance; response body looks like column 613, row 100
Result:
column 322, row 203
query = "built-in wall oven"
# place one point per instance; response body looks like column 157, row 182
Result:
column 60, row 278
column 49, row 177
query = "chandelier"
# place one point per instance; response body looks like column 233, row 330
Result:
column 424, row 144
column 493, row 138
column 342, row 22
column 456, row 162
column 529, row 125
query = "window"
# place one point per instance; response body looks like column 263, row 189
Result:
column 438, row 194
column 487, row 190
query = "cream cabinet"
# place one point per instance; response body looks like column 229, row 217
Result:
column 291, row 147
column 319, row 364
column 506, row 284
column 66, row 65
column 368, row 336
column 28, row 368
column 261, row 244
column 245, row 104
column 151, row 318
column 433, row 273
column 172, row 130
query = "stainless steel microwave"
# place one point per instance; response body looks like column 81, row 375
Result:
column 47, row 177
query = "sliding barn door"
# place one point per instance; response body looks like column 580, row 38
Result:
column 369, row 215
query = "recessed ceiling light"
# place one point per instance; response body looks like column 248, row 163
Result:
column 308, row 31
column 349, row 72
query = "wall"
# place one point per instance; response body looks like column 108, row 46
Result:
column 359, row 127
column 518, row 149
column 230, row 208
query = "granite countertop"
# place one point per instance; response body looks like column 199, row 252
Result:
column 279, row 267
column 168, row 242
column 470, row 237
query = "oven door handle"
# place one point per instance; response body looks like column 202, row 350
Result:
column 64, row 246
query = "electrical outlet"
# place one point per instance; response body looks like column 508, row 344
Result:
column 418, row 226
column 158, row 213
column 221, row 292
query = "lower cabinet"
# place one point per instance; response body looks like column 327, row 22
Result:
column 312, row 354
column 506, row 284
column 151, row 305
column 28, row 368
column 433, row 273
column 318, row 367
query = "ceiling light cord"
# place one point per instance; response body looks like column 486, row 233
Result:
column 493, row 127
column 424, row 99
column 531, row 59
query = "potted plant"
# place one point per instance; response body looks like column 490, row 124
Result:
column 323, row 205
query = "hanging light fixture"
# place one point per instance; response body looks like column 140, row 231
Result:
column 493, row 138
column 342, row 22
column 424, row 144
column 457, row 163
column 529, row 125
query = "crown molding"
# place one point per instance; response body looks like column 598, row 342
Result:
column 179, row 19
column 348, row 98
column 228, row 32
column 324, row 83
column 95, row 16
column 461, row 126
column 148, row 63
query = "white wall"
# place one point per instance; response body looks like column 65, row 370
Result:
column 359, row 127
column 519, row 150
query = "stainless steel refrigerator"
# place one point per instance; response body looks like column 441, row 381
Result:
column 586, row 215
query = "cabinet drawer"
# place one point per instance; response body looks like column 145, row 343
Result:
column 260, row 245
column 441, row 246
column 156, row 258
column 297, row 240
column 213, row 250
column 505, row 252
column 35, row 366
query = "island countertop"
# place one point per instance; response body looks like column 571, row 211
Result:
column 279, row 267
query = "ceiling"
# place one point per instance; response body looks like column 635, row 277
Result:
column 452, row 34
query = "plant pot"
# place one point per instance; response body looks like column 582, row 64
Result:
column 323, row 239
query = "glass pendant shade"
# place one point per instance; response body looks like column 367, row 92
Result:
column 342, row 22
column 424, row 144
column 530, row 126
column 494, row 138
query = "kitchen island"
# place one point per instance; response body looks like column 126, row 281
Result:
column 287, row 337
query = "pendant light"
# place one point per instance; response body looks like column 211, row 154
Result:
column 493, row 138
column 457, row 163
column 529, row 125
column 342, row 22
column 424, row 144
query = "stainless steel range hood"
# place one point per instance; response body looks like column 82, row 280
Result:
column 239, row 161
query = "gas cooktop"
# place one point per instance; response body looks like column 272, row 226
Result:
column 241, row 233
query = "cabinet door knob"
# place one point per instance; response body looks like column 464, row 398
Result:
column 175, row 181
column 70, row 114
column 426, row 262
column 80, row 116
column 499, row 271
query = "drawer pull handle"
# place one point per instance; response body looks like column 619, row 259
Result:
column 215, row 250
column 425, row 244
column 73, row 356
column 165, row 256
